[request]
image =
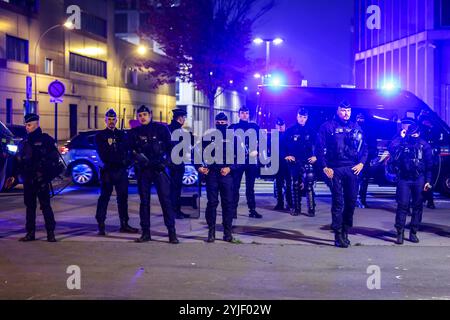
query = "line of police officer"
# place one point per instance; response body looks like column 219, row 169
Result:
column 339, row 149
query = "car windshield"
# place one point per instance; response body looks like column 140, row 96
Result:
column 4, row 132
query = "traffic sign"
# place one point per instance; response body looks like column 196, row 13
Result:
column 56, row 89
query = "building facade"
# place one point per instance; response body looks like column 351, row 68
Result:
column 405, row 43
column 99, row 71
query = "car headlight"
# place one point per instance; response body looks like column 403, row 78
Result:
column 12, row 148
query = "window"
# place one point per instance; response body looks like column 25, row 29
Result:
column 29, row 107
column 96, row 117
column 16, row 49
column 48, row 66
column 93, row 24
column 131, row 76
column 27, row 5
column 121, row 23
column 177, row 90
column 445, row 13
column 144, row 19
column 87, row 65
column 9, row 111
column 89, row 117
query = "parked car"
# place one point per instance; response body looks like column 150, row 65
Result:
column 383, row 111
column 83, row 161
column 8, row 149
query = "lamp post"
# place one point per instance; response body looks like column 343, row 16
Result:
column 140, row 51
column 268, row 42
column 68, row 25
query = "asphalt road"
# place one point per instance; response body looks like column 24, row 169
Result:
column 277, row 257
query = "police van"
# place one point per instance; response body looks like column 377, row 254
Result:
column 382, row 111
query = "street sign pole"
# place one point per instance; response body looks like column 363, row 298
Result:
column 56, row 123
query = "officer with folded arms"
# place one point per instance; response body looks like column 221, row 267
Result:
column 150, row 145
column 112, row 147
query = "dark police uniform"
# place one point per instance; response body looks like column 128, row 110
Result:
column 413, row 160
column 366, row 173
column 35, row 161
column 250, row 169
column 151, row 147
column 283, row 177
column 112, row 147
column 177, row 170
column 216, row 184
column 300, row 142
column 345, row 148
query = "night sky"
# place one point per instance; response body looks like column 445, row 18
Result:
column 317, row 36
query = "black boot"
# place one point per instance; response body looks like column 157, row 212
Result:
column 311, row 213
column 339, row 240
column 345, row 236
column 279, row 206
column 126, row 228
column 28, row 237
column 400, row 237
column 295, row 211
column 413, row 237
column 145, row 237
column 51, row 236
column 430, row 205
column 101, row 229
column 211, row 235
column 173, row 237
column 254, row 214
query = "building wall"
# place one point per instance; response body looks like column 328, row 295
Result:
column 82, row 90
column 411, row 49
column 197, row 105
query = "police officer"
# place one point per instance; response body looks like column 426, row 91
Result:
column 151, row 146
column 346, row 153
column 283, row 176
column 177, row 170
column 413, row 160
column 35, row 161
column 219, row 180
column 112, row 147
column 300, row 140
column 366, row 173
column 429, row 133
column 250, row 167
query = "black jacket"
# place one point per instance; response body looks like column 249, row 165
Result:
column 340, row 144
column 36, row 158
column 411, row 158
column 222, row 162
column 244, row 146
column 154, row 142
column 112, row 147
column 300, row 143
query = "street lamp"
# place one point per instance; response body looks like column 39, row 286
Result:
column 276, row 41
column 68, row 25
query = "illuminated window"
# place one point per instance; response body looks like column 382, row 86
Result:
column 48, row 66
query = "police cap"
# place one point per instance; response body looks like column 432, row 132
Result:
column 31, row 117
column 221, row 117
column 110, row 114
column 143, row 108
column 280, row 122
